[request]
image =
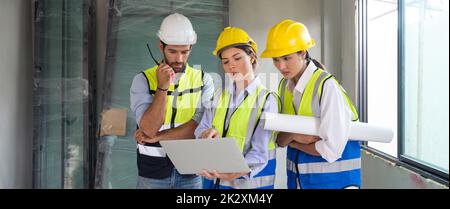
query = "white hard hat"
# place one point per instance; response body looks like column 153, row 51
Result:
column 176, row 29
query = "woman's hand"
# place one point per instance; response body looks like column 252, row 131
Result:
column 308, row 148
column 223, row 176
column 210, row 133
column 283, row 139
column 305, row 139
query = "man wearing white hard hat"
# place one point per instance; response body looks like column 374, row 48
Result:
column 168, row 100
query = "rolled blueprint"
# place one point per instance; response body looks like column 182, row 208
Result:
column 310, row 126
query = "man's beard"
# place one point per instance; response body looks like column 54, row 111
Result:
column 177, row 66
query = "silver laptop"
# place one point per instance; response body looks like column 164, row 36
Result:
column 191, row 156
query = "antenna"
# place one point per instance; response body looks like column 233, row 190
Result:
column 151, row 54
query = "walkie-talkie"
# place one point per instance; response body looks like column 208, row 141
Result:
column 172, row 75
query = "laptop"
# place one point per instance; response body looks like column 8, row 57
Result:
column 192, row 156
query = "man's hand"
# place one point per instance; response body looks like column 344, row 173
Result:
column 224, row 176
column 210, row 133
column 141, row 138
column 165, row 76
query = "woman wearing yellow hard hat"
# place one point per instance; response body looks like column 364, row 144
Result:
column 329, row 160
column 236, row 112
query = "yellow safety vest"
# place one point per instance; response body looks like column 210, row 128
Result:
column 182, row 99
column 241, row 126
column 244, row 119
column 314, row 172
column 312, row 96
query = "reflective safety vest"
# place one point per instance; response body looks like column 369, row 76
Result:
column 182, row 101
column 242, row 124
column 314, row 172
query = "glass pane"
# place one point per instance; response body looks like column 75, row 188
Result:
column 382, row 69
column 60, row 95
column 133, row 24
column 426, row 82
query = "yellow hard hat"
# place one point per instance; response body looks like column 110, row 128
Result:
column 231, row 36
column 287, row 37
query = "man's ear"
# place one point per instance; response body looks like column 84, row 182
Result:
column 161, row 47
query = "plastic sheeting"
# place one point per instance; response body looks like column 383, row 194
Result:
column 62, row 103
column 131, row 25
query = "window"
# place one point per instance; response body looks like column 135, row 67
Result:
column 63, row 132
column 424, row 83
column 404, row 80
column 382, row 69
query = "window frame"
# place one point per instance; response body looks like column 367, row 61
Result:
column 401, row 159
column 401, row 103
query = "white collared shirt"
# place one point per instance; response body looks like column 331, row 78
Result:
column 301, row 84
column 335, row 115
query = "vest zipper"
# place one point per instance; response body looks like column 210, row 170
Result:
column 174, row 104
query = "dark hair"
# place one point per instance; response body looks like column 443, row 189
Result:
column 317, row 63
column 246, row 48
column 164, row 44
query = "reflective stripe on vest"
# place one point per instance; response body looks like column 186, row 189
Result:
column 338, row 166
column 259, row 181
column 263, row 181
column 241, row 126
column 310, row 165
column 151, row 151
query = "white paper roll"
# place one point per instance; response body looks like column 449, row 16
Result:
column 310, row 126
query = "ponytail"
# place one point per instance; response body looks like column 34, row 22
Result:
column 317, row 63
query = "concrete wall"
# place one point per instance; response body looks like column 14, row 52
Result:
column 16, row 83
column 330, row 22
column 258, row 16
column 349, row 48
column 331, row 36
column 378, row 173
